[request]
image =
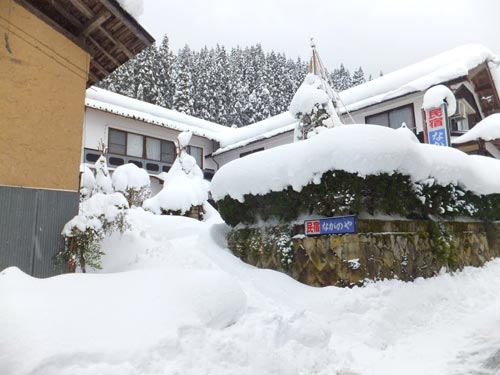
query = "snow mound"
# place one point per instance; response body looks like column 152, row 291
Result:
column 130, row 176
column 179, row 303
column 103, row 182
column 362, row 149
column 437, row 95
column 488, row 130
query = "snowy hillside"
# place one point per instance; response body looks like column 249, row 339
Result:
column 171, row 299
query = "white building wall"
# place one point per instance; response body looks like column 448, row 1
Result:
column 97, row 123
column 415, row 99
column 267, row 143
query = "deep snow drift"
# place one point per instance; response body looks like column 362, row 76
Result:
column 172, row 300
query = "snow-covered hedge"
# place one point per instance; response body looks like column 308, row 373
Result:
column 358, row 168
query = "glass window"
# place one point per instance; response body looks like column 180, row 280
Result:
column 399, row 115
column 153, row 148
column 117, row 142
column 197, row 154
column 380, row 119
column 394, row 118
column 135, row 145
column 167, row 151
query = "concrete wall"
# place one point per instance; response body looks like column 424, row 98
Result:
column 97, row 124
column 43, row 78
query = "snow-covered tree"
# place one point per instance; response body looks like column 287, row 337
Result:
column 313, row 107
column 103, row 183
column 358, row 77
column 184, row 190
column 133, row 182
column 182, row 101
column 341, row 78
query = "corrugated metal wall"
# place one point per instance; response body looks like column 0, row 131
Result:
column 31, row 221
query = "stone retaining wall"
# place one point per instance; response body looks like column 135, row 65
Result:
column 380, row 250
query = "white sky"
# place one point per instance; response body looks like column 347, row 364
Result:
column 376, row 34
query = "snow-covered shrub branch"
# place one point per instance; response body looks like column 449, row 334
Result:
column 99, row 215
column 133, row 182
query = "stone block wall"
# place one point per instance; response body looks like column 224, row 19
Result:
column 380, row 250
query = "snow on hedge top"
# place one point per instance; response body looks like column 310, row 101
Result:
column 130, row 176
column 133, row 7
column 437, row 95
column 451, row 64
column 488, row 129
column 362, row 149
column 124, row 106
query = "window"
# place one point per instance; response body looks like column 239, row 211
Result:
column 135, row 145
column 197, row 154
column 394, row 118
column 139, row 146
column 153, row 148
column 464, row 118
column 117, row 142
column 167, row 151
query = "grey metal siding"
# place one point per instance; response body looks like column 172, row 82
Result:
column 31, row 221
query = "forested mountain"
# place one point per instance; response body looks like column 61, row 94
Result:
column 236, row 87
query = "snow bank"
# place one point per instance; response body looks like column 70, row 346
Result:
column 488, row 129
column 130, row 176
column 93, row 210
column 437, row 95
column 362, row 149
column 179, row 303
column 444, row 67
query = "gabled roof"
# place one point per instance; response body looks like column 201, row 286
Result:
column 111, row 102
column 101, row 27
column 441, row 68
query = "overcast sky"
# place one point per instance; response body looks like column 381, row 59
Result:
column 376, row 34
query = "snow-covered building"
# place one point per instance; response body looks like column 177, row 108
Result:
column 51, row 51
column 145, row 134
column 472, row 72
column 133, row 131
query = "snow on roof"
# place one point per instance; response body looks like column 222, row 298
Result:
column 124, row 106
column 441, row 68
column 488, row 129
column 362, row 149
column 260, row 130
column 134, row 7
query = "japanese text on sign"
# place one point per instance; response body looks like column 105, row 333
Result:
column 437, row 127
column 332, row 225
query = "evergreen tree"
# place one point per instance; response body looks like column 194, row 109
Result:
column 358, row 77
column 341, row 78
column 182, row 101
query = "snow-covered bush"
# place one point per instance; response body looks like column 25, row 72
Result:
column 103, row 183
column 99, row 215
column 313, row 107
column 87, row 182
column 133, row 182
column 184, row 188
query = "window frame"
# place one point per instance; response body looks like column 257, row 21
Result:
column 144, row 144
column 410, row 105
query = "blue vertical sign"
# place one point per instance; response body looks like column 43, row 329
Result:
column 331, row 225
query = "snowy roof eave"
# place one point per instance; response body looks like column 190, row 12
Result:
column 117, row 104
column 487, row 130
column 447, row 66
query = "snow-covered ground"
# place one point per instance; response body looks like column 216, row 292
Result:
column 171, row 299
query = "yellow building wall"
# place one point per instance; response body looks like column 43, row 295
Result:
column 42, row 96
